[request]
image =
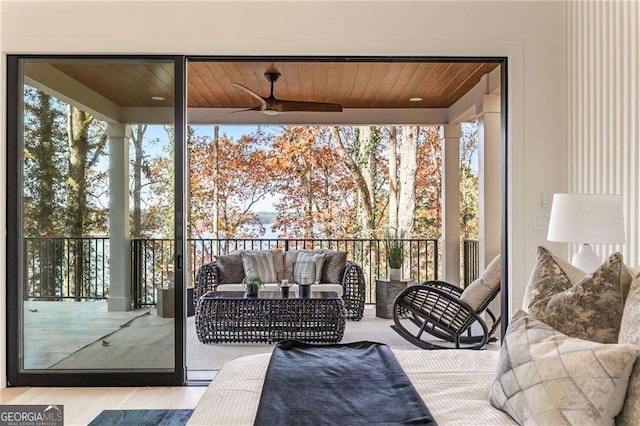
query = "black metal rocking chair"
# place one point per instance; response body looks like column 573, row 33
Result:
column 435, row 309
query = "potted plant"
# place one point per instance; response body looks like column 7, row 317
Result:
column 252, row 283
column 394, row 249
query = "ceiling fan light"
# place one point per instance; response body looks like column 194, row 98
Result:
column 270, row 112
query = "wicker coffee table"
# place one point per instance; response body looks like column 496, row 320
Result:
column 229, row 317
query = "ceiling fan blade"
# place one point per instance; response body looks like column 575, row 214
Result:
column 284, row 106
column 258, row 108
column 251, row 92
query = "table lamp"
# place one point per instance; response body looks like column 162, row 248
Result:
column 586, row 219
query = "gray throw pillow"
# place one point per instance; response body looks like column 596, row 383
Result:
column 308, row 265
column 591, row 309
column 333, row 267
column 230, row 269
column 260, row 264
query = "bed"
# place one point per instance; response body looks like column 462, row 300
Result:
column 454, row 385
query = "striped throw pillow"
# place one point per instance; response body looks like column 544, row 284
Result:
column 261, row 264
column 308, row 264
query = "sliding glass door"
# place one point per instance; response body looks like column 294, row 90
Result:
column 96, row 151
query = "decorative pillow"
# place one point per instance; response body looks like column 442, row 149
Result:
column 278, row 260
column 333, row 267
column 630, row 333
column 479, row 290
column 308, row 264
column 548, row 378
column 261, row 264
column 230, row 269
column 630, row 414
column 591, row 309
column 630, row 324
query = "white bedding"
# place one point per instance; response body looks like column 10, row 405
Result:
column 454, row 385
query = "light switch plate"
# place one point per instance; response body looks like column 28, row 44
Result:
column 540, row 222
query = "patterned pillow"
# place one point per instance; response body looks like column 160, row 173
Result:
column 480, row 290
column 310, row 265
column 630, row 333
column 261, row 264
column 230, row 269
column 548, row 378
column 590, row 309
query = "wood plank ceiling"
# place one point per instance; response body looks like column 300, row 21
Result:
column 351, row 84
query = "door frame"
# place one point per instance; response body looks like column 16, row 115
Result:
column 15, row 326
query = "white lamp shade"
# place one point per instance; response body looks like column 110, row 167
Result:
column 587, row 219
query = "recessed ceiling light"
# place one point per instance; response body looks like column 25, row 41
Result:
column 270, row 112
column 158, row 98
column 415, row 99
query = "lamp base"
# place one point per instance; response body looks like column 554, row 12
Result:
column 586, row 259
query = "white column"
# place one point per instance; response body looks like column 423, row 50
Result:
column 119, row 236
column 490, row 177
column 450, row 135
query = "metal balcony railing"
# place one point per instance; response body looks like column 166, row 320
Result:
column 78, row 268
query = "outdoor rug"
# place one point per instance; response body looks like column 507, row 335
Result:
column 142, row 418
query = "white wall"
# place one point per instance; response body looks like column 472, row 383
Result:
column 530, row 34
column 603, row 39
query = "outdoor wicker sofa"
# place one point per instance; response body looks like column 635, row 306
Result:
column 351, row 286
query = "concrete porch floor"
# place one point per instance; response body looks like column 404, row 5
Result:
column 69, row 335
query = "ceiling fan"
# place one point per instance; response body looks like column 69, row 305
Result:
column 273, row 106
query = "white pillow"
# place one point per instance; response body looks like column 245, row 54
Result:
column 479, row 290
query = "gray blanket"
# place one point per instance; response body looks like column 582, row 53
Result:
column 343, row 384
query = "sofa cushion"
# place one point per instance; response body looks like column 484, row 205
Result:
column 275, row 287
column 480, row 290
column 590, row 309
column 230, row 269
column 548, row 378
column 308, row 265
column 278, row 260
column 260, row 264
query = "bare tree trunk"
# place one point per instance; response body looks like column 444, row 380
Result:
column 367, row 139
column 47, row 173
column 78, row 146
column 408, row 168
column 393, row 178
column 216, row 185
column 138, row 137
column 358, row 180
column 308, row 210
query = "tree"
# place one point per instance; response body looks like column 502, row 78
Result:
column 469, row 184
column 358, row 179
column 43, row 177
column 84, row 150
column 393, row 178
column 408, row 168
column 137, row 139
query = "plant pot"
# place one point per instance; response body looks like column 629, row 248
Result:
column 251, row 291
column 395, row 274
